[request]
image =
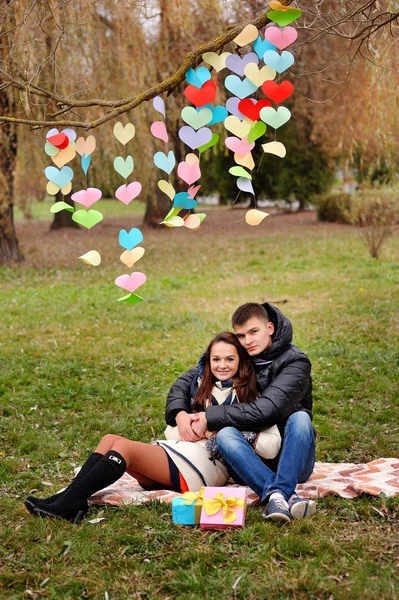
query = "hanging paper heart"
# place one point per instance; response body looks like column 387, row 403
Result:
column 276, row 148
column 194, row 139
column 245, row 161
column 159, row 105
column 130, row 239
column 64, row 156
column 257, row 130
column 240, row 147
column 87, row 146
column 198, row 77
column 245, row 185
column 212, row 142
column 70, row 133
column 247, row 35
column 131, row 282
column 158, row 130
column 60, row 177
column 202, row 96
column 192, row 222
column 251, row 108
column 218, row 62
column 50, row 150
column 85, row 163
column 279, row 62
column 52, row 189
column 58, row 206
column 258, row 76
column 281, row 38
column 240, row 172
column 192, row 159
column 91, row 258
column 66, row 189
column 124, row 133
column 182, row 200
column 262, row 46
column 237, row 64
column 131, row 299
column 193, row 191
column 255, row 216
column 285, row 17
column 189, row 173
column 87, row 218
column 127, row 193
column 130, row 257
column 167, row 188
column 232, row 107
column 278, row 93
column 219, row 113
column 52, row 131
column 59, row 140
column 239, row 88
column 165, row 163
column 275, row 118
column 276, row 5
column 172, row 213
column 87, row 197
column 237, row 127
column 173, row 222
column 124, row 166
column 196, row 119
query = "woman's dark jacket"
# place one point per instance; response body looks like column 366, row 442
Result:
column 283, row 381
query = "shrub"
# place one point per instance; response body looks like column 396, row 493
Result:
column 334, row 208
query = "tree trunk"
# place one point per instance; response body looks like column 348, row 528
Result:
column 156, row 209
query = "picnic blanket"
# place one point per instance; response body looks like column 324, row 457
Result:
column 347, row 480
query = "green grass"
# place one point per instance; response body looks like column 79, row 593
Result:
column 76, row 365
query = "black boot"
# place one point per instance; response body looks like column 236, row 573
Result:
column 32, row 502
column 72, row 504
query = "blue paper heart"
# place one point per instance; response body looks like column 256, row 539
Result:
column 131, row 239
column 199, row 77
column 182, row 200
column 279, row 62
column 166, row 163
column 241, row 89
column 262, row 46
column 85, row 162
column 219, row 113
column 60, row 177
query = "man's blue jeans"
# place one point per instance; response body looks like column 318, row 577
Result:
column 295, row 465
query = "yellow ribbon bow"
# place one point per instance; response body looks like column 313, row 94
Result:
column 213, row 505
column 191, row 497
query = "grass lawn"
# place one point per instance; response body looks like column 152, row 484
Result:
column 76, row 364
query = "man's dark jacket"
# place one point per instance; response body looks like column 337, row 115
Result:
column 284, row 384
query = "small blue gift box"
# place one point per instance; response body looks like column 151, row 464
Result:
column 186, row 509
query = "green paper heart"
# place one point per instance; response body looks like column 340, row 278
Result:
column 196, row 119
column 212, row 142
column 57, row 206
column 240, row 172
column 201, row 216
column 87, row 218
column 172, row 213
column 124, row 166
column 50, row 150
column 258, row 129
column 284, row 17
column 131, row 299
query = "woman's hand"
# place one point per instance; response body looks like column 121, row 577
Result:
column 184, row 426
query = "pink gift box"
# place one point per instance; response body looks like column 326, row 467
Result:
column 226, row 503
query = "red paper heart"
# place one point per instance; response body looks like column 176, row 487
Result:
column 201, row 96
column 59, row 140
column 278, row 93
column 251, row 109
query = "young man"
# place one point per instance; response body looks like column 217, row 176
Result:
column 285, row 386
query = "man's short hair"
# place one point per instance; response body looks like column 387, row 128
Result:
column 247, row 311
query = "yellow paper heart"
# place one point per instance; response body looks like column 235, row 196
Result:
column 255, row 216
column 259, row 76
column 276, row 5
column 64, row 156
column 65, row 190
column 91, row 258
column 248, row 34
column 167, row 188
column 130, row 257
column 276, row 148
column 218, row 62
column 192, row 159
column 85, row 146
column 192, row 222
column 245, row 161
column 237, row 127
column 124, row 134
column 52, row 188
column 173, row 222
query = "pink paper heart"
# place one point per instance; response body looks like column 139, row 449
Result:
column 158, row 130
column 193, row 191
column 189, row 173
column 240, row 147
column 281, row 38
column 127, row 193
column 131, row 282
column 87, row 197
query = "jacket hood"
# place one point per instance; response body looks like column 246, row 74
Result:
column 282, row 336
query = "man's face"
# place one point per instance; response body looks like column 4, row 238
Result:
column 255, row 335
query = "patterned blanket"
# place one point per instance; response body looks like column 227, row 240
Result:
column 347, row 480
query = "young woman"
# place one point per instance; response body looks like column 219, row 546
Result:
column 224, row 375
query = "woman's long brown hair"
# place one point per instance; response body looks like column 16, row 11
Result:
column 244, row 381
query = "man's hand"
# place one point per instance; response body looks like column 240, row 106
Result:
column 200, row 425
column 184, row 422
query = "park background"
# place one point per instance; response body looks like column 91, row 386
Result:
column 75, row 364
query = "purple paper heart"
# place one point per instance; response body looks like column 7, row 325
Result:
column 232, row 107
column 237, row 64
column 194, row 139
column 245, row 185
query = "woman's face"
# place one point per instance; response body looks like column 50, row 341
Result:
column 224, row 361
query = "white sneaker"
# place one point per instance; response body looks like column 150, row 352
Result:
column 277, row 509
column 300, row 508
